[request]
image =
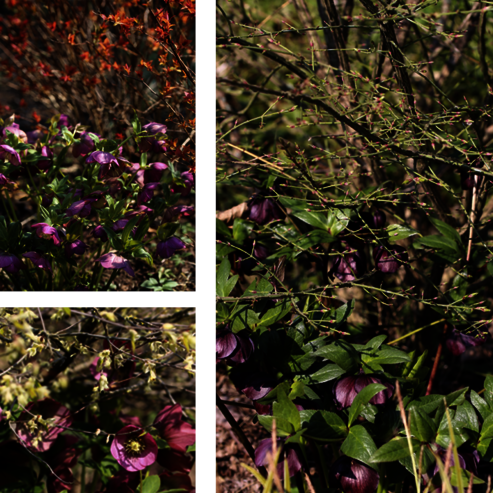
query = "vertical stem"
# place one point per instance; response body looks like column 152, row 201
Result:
column 141, row 484
column 435, row 364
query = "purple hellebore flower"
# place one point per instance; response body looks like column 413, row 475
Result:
column 388, row 260
column 349, row 265
column 100, row 233
column 44, row 164
column 167, row 248
column 85, row 147
column 33, row 136
column 140, row 209
column 77, row 247
column 113, row 261
column 81, row 208
column 353, row 476
column 346, row 389
column 288, row 453
column 123, row 482
column 178, row 433
column 43, row 229
column 120, row 225
column 16, row 130
column 236, row 347
column 442, row 453
column 106, row 160
column 172, row 213
column 147, row 192
column 152, row 174
column 10, row 154
column 263, row 210
column 10, row 263
column 63, row 122
column 133, row 448
column 5, row 181
column 38, row 260
column 40, row 439
column 254, row 385
column 150, row 143
column 458, row 342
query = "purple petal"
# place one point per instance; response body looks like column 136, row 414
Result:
column 167, row 248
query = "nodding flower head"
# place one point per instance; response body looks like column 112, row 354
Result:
column 76, row 247
column 167, row 248
column 348, row 266
column 178, row 433
column 288, row 452
column 85, row 146
column 237, row 348
column 10, row 154
column 264, row 210
column 388, row 260
column 113, row 261
column 150, row 143
column 110, row 165
column 44, row 230
column 353, row 476
column 10, row 263
column 16, row 130
column 38, row 260
column 457, row 342
column 378, row 219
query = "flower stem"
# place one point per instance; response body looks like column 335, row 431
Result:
column 141, row 485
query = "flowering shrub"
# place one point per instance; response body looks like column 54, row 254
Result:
column 96, row 400
column 354, row 244
column 94, row 220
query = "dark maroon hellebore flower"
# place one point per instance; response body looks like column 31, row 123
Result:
column 254, row 385
column 152, row 174
column 63, row 121
column 353, row 476
column 378, row 219
column 172, row 213
column 76, row 247
column 263, row 210
column 85, row 147
column 236, row 347
column 178, row 433
column 123, row 482
column 188, row 180
column 4, row 181
column 44, row 164
column 457, row 342
column 81, row 208
column 100, row 233
column 388, row 260
column 288, row 452
column 38, row 260
column 346, row 389
column 348, row 266
column 33, row 136
column 150, row 143
column 43, row 230
column 167, row 248
column 147, row 192
column 113, row 261
column 10, row 154
column 10, row 263
column 107, row 161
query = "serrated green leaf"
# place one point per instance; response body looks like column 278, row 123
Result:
column 480, row 404
column 285, row 408
column 326, row 374
column 422, row 426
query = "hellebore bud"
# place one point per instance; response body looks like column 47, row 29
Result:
column 378, row 219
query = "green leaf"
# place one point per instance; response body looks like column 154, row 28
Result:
column 326, row 374
column 285, row 408
column 222, row 229
column 337, row 222
column 459, row 287
column 465, row 417
column 362, row 398
column 343, row 312
column 151, row 484
column 341, row 353
column 241, row 229
column 283, row 426
column 324, row 425
column 136, row 123
column 387, row 355
column 230, row 284
column 488, row 390
column 359, row 445
column 446, row 230
column 487, row 429
column 441, row 243
column 480, row 404
column 274, row 314
column 317, row 219
column 128, row 228
column 399, row 232
column 422, row 426
column 466, row 477
column 396, row 449
column 222, row 276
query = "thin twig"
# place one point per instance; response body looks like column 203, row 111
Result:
column 48, row 342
